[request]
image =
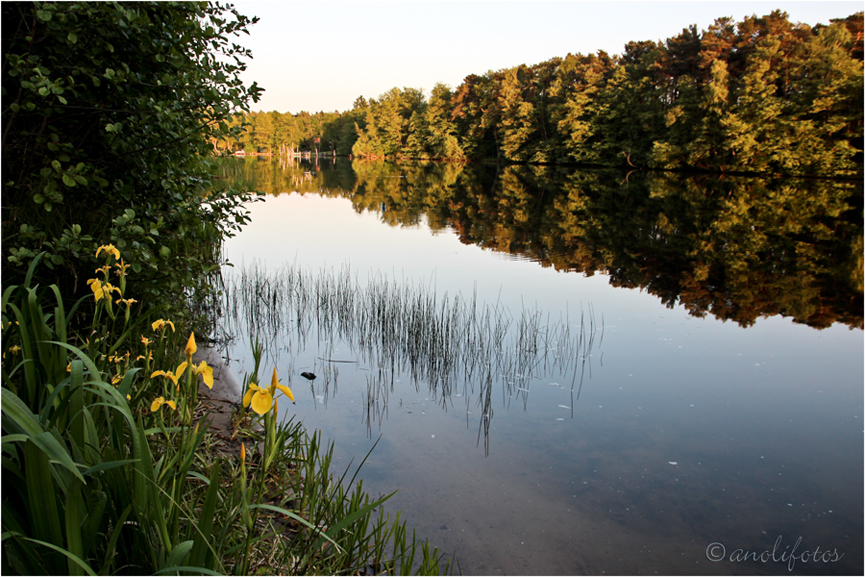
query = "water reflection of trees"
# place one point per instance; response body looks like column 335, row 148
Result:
column 737, row 248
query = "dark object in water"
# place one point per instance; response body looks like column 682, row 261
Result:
column 307, row 375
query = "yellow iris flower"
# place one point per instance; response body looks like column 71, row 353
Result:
column 173, row 377
column 109, row 249
column 101, row 289
column 262, row 399
column 190, row 345
column 160, row 324
column 161, row 401
column 205, row 371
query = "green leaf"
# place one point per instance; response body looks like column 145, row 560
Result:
column 204, row 526
column 23, row 419
column 74, row 515
column 68, row 181
column 179, row 553
column 335, row 529
column 77, row 560
column 56, row 452
column 302, row 521
column 41, row 495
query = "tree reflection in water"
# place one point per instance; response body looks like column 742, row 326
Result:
column 738, row 248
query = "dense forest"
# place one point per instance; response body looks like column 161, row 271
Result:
column 764, row 95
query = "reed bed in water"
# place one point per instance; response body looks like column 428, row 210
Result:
column 452, row 344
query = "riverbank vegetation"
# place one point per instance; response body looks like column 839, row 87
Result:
column 764, row 95
column 112, row 230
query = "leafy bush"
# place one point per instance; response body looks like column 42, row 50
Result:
column 108, row 113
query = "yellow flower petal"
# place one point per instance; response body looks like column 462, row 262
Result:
column 190, row 345
column 262, row 400
column 160, row 324
column 206, row 373
column 286, row 391
column 96, row 287
column 154, row 406
column 109, row 249
column 249, row 392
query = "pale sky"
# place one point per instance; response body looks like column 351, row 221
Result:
column 320, row 56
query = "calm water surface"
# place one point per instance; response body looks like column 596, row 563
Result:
column 666, row 444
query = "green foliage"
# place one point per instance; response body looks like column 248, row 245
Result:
column 432, row 130
column 100, row 479
column 357, row 539
column 80, row 451
column 388, row 124
column 108, row 111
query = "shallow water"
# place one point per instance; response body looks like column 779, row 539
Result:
column 688, row 438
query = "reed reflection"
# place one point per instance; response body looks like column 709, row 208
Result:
column 451, row 347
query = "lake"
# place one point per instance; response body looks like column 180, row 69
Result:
column 566, row 371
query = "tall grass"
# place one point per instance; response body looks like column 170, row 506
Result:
column 102, row 475
column 451, row 345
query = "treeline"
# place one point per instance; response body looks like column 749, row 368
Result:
column 761, row 95
column 279, row 133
